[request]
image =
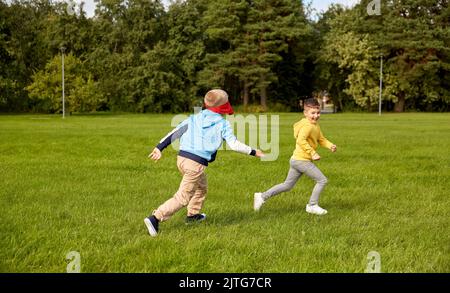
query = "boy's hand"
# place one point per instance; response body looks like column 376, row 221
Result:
column 155, row 154
column 259, row 154
column 333, row 148
column 316, row 157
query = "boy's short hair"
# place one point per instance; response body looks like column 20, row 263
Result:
column 311, row 103
column 215, row 98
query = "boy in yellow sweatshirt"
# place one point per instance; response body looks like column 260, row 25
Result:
column 308, row 136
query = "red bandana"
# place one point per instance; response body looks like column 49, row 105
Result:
column 222, row 109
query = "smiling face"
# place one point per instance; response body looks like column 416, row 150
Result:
column 312, row 114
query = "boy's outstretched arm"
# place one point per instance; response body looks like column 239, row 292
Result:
column 236, row 145
column 326, row 143
column 156, row 154
column 240, row 147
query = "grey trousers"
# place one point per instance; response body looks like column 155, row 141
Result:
column 297, row 169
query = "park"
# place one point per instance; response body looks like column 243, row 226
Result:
column 85, row 100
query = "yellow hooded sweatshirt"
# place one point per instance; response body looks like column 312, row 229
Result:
column 308, row 136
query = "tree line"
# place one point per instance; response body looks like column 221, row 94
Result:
column 137, row 56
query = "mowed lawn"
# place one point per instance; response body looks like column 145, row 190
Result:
column 85, row 184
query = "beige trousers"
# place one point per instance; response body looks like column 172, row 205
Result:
column 191, row 193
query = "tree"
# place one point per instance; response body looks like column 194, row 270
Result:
column 328, row 76
column 22, row 48
column 224, row 60
column 135, row 56
column 415, row 41
column 248, row 39
column 357, row 56
column 411, row 35
column 186, row 46
column 81, row 93
column 125, row 32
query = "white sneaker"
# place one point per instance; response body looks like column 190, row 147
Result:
column 258, row 201
column 315, row 209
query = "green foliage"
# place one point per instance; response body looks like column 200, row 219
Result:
column 141, row 58
column 21, row 50
column 248, row 39
column 357, row 56
column 412, row 36
column 161, row 87
column 125, row 36
column 81, row 94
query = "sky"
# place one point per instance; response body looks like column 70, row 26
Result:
column 319, row 5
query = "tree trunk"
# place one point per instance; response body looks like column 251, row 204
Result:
column 263, row 93
column 341, row 105
column 400, row 104
column 246, row 94
column 264, row 98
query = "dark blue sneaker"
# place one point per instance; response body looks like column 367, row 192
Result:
column 195, row 218
column 152, row 224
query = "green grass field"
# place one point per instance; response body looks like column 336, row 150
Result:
column 85, row 184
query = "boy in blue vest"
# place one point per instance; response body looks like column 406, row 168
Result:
column 201, row 135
